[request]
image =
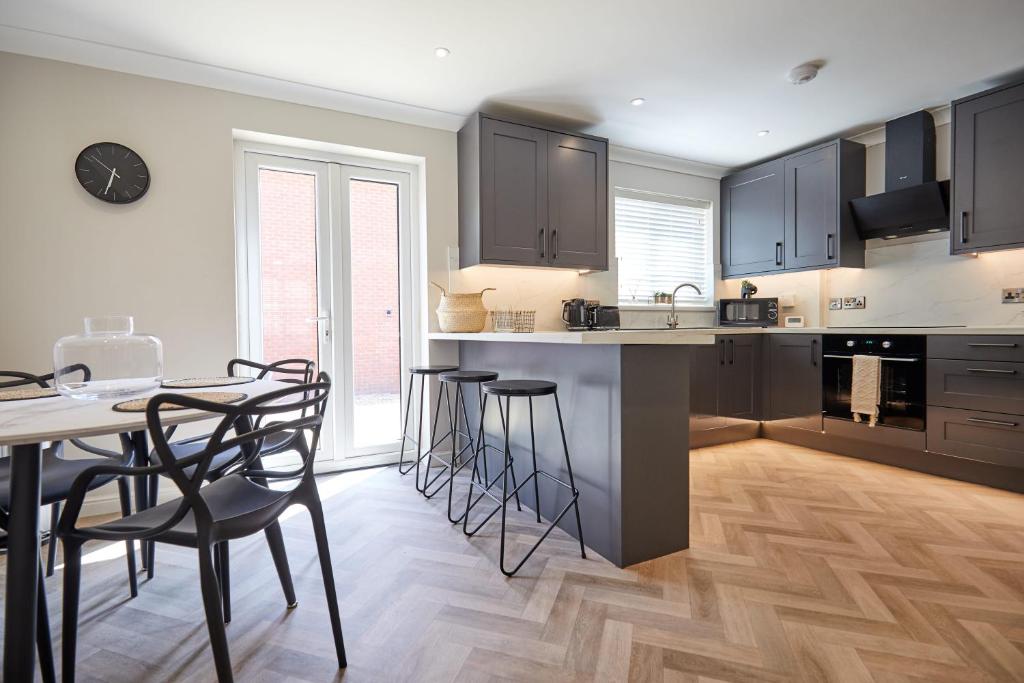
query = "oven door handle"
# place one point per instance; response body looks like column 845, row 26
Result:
column 884, row 358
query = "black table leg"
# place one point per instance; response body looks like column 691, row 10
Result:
column 22, row 563
column 140, row 443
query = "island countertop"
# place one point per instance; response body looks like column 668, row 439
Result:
column 700, row 336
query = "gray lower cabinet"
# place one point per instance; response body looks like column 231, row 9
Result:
column 531, row 196
column 976, row 385
column 987, row 437
column 704, row 370
column 794, row 372
column 725, row 382
column 739, row 384
column 988, row 171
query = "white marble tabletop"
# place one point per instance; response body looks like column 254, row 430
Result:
column 57, row 418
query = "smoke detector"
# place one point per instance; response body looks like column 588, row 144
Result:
column 805, row 73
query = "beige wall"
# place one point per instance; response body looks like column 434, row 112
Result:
column 167, row 259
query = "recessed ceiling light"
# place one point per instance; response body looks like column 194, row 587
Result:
column 762, row 133
column 637, row 101
column 441, row 52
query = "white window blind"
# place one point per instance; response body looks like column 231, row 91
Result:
column 661, row 242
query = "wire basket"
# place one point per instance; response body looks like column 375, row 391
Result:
column 513, row 321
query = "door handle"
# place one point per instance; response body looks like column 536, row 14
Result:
column 554, row 244
column 778, row 253
column 326, row 319
column 998, row 423
column 992, row 371
column 814, row 353
column 541, row 239
column 963, row 227
column 721, row 352
column 829, row 248
column 992, row 345
column 732, row 351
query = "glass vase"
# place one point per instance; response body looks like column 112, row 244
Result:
column 108, row 361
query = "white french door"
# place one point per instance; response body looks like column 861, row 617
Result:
column 325, row 248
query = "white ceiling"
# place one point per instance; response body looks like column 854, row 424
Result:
column 712, row 72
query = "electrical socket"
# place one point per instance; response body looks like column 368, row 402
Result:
column 1013, row 295
column 835, row 303
column 854, row 302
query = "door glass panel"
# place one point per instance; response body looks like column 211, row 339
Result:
column 376, row 350
column 288, row 265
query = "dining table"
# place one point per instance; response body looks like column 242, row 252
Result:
column 26, row 428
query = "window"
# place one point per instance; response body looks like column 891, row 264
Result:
column 662, row 241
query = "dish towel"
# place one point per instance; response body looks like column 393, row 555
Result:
column 867, row 388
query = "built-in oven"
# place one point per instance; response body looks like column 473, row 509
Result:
column 902, row 403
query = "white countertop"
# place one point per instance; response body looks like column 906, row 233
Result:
column 699, row 336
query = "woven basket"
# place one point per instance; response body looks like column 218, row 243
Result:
column 513, row 321
column 461, row 312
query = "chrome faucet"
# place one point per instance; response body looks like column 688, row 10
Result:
column 673, row 319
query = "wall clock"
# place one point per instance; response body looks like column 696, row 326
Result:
column 112, row 173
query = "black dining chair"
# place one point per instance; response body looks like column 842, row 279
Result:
column 238, row 504
column 289, row 370
column 57, row 476
column 58, row 472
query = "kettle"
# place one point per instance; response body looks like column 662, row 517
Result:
column 574, row 314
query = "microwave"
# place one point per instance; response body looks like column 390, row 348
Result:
column 748, row 312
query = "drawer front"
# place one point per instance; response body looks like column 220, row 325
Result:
column 976, row 385
column 987, row 437
column 977, row 347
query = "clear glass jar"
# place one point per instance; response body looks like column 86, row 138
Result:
column 108, row 361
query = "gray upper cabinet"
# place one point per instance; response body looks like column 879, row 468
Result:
column 577, row 201
column 988, row 171
column 532, row 197
column 793, row 213
column 752, row 214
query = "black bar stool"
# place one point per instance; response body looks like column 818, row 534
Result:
column 454, row 464
column 520, row 388
column 422, row 371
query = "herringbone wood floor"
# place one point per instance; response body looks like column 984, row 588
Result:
column 804, row 566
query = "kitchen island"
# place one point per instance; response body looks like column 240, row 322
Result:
column 625, row 405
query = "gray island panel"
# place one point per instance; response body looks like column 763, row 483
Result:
column 625, row 411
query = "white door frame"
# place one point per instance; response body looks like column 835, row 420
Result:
column 336, row 166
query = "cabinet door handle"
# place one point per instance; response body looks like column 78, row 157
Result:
column 778, row 253
column 992, row 345
column 998, row 423
column 814, row 353
column 554, row 244
column 732, row 352
column 963, row 227
column 541, row 236
column 829, row 248
column 721, row 352
column 993, row 371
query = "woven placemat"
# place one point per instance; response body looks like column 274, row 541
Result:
column 203, row 382
column 138, row 405
column 23, row 394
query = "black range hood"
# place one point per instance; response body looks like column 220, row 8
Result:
column 913, row 202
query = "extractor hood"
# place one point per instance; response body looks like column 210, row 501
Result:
column 913, row 202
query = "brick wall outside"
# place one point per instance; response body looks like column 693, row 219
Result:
column 375, row 332
column 288, row 265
